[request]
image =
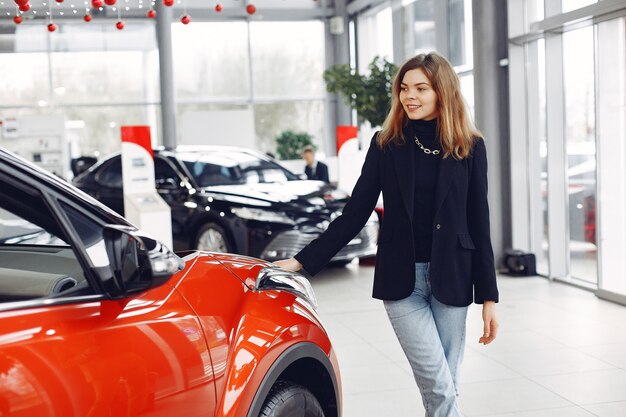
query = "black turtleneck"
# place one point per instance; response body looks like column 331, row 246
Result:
column 426, row 172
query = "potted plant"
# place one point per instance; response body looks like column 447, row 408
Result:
column 370, row 95
column 290, row 144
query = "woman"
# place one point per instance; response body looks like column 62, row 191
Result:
column 434, row 249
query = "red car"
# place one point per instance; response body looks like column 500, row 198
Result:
column 97, row 319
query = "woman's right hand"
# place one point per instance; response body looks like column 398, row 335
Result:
column 290, row 264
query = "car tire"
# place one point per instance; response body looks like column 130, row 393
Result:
column 212, row 238
column 287, row 399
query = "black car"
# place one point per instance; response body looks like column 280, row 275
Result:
column 229, row 199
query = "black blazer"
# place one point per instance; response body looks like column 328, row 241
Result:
column 321, row 172
column 461, row 265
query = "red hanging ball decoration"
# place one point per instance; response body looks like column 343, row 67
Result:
column 17, row 19
column 20, row 2
column 119, row 25
column 87, row 18
column 218, row 8
column 96, row 4
column 185, row 20
column 52, row 27
column 110, row 2
column 59, row 1
column 251, row 9
column 168, row 3
column 151, row 14
column 24, row 7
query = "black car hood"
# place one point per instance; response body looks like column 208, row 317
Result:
column 303, row 193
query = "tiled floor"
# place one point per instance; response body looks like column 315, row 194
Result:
column 560, row 352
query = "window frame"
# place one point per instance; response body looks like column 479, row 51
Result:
column 51, row 198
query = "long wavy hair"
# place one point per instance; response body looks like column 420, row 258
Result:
column 455, row 129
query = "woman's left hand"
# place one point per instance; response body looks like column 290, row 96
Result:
column 490, row 323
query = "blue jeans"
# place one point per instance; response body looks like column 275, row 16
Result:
column 432, row 336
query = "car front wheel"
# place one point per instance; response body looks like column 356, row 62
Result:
column 212, row 237
column 287, row 399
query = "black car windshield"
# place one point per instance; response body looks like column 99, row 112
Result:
column 232, row 167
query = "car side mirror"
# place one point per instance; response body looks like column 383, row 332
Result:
column 167, row 184
column 137, row 262
column 303, row 176
column 82, row 164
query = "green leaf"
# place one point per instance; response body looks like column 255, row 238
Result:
column 290, row 144
column 370, row 95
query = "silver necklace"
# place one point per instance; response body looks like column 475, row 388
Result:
column 425, row 149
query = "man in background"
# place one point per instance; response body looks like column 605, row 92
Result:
column 314, row 170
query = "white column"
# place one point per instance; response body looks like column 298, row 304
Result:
column 558, row 218
column 518, row 105
column 611, row 154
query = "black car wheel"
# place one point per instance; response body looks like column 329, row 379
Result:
column 212, row 237
column 287, row 399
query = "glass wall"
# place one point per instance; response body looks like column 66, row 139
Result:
column 101, row 78
column 460, row 44
column 611, row 154
column 104, row 77
column 542, row 224
column 374, row 36
column 534, row 12
column 212, row 69
column 23, row 79
column 420, row 23
column 300, row 115
column 580, row 135
column 273, row 69
column 460, row 33
column 287, row 59
column 569, row 5
column 98, row 77
column 575, row 74
column 289, row 90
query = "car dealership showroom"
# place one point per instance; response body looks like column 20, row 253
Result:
column 312, row 208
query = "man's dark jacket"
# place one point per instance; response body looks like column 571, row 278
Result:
column 321, row 172
column 461, row 265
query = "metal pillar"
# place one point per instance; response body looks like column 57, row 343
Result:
column 168, row 100
column 492, row 111
column 337, row 52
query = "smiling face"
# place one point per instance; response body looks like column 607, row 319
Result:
column 417, row 96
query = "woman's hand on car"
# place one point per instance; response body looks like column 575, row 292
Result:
column 290, row 264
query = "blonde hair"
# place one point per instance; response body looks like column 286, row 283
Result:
column 456, row 130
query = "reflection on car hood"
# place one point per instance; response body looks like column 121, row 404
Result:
column 306, row 193
column 243, row 267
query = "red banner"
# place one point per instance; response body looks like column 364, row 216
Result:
column 345, row 133
column 139, row 135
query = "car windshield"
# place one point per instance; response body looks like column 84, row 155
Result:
column 232, row 167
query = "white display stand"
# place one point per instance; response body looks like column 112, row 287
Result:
column 350, row 161
column 150, row 213
column 143, row 206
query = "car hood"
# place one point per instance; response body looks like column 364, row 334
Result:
column 303, row 193
column 213, row 264
column 243, row 267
